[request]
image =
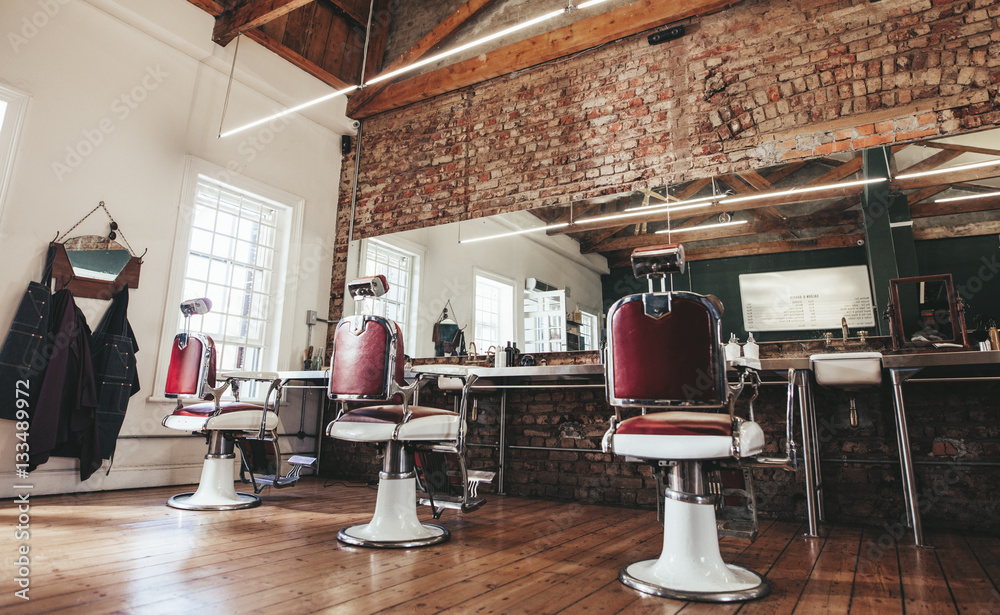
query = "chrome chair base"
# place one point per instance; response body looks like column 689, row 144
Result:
column 357, row 535
column 637, row 577
column 245, row 500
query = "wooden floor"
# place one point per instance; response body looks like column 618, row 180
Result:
column 126, row 552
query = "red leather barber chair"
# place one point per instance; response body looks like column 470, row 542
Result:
column 225, row 424
column 367, row 366
column 665, row 356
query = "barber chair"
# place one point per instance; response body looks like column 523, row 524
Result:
column 665, row 352
column 225, row 424
column 367, row 367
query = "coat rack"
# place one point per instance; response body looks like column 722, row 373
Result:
column 93, row 266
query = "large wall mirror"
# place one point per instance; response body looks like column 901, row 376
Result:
column 543, row 278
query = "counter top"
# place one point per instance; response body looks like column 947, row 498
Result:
column 941, row 359
column 534, row 371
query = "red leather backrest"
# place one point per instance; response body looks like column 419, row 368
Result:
column 361, row 365
column 188, row 371
column 673, row 358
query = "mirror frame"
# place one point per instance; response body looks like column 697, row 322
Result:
column 895, row 314
column 90, row 288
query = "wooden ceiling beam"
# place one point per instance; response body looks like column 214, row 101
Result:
column 845, row 221
column 948, row 231
column 932, row 162
column 946, row 179
column 825, row 242
column 963, row 148
column 692, row 251
column 965, row 206
column 424, row 45
column 298, row 60
column 573, row 38
column 243, row 17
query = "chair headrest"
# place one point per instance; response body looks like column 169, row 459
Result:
column 658, row 261
column 373, row 286
column 200, row 306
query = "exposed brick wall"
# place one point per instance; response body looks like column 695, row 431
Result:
column 762, row 82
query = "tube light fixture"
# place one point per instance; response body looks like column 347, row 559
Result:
column 469, row 45
column 679, row 205
column 701, row 228
column 489, row 37
column 310, row 103
column 963, row 167
column 513, row 233
column 765, row 195
column 970, row 196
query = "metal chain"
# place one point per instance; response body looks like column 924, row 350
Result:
column 108, row 213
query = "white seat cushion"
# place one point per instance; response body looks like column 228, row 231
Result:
column 378, row 424
column 685, row 435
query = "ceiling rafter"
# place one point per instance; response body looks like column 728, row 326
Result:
column 440, row 32
column 846, row 222
column 242, row 17
column 578, row 36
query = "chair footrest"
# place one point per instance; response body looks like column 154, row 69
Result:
column 302, row 460
column 737, row 528
column 480, row 476
column 269, row 480
column 453, row 501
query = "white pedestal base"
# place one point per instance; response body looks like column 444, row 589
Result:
column 690, row 566
column 395, row 523
column 215, row 490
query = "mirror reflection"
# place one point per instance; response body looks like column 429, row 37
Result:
column 96, row 257
column 541, row 279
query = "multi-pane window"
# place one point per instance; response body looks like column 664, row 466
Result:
column 231, row 259
column 589, row 328
column 494, row 313
column 397, row 266
column 12, row 109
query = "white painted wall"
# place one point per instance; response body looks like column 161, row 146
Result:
column 144, row 81
column 448, row 270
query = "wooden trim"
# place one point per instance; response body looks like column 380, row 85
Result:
column 242, row 17
column 578, row 36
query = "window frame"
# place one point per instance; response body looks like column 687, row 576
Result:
column 281, row 308
column 512, row 324
column 416, row 254
column 10, row 131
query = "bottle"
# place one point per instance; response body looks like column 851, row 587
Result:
column 732, row 348
column 508, row 354
column 750, row 349
column 994, row 336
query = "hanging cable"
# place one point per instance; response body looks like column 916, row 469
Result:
column 229, row 88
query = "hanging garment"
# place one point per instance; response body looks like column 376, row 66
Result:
column 113, row 347
column 24, row 355
column 65, row 422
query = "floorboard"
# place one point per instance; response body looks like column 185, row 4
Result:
column 126, row 552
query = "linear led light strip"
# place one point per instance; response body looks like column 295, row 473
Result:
column 963, row 198
column 765, row 195
column 701, row 228
column 634, row 211
column 964, row 167
column 424, row 62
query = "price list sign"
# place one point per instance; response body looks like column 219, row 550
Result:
column 807, row 299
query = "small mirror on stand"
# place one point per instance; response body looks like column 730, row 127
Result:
column 925, row 313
